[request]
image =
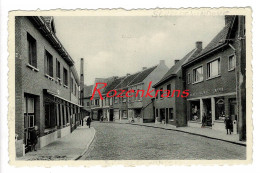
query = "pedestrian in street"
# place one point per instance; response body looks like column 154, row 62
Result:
column 204, row 119
column 88, row 121
column 228, row 124
column 34, row 134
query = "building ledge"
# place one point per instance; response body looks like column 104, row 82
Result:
column 32, row 67
column 49, row 77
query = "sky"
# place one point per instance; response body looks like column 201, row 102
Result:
column 115, row 46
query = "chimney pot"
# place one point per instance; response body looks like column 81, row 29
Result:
column 176, row 61
column 228, row 19
column 162, row 62
column 199, row 45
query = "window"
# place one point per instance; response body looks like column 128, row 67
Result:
column 87, row 103
column 57, row 69
column 198, row 74
column 213, row 68
column 169, row 87
column 171, row 113
column 75, row 89
column 48, row 64
column 124, row 114
column 161, row 92
column 189, row 79
column 50, row 120
column 231, row 62
column 65, row 76
column 71, row 84
column 32, row 55
column 96, row 101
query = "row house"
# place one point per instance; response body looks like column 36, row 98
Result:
column 170, row 110
column 211, row 80
column 138, row 108
column 46, row 83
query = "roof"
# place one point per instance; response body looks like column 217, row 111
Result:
column 142, row 75
column 127, row 80
column 88, row 90
column 177, row 67
column 41, row 23
column 113, row 84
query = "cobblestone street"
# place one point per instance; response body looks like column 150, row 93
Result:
column 123, row 141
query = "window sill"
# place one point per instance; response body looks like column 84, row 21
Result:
column 213, row 77
column 49, row 77
column 231, row 69
column 219, row 121
column 32, row 68
column 197, row 82
column 66, row 86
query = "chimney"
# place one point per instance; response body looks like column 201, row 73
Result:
column 162, row 62
column 81, row 81
column 176, row 61
column 199, row 45
column 228, row 19
column 127, row 74
column 144, row 68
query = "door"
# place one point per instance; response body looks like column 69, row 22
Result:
column 29, row 119
column 116, row 114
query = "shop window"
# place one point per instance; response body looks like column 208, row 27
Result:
column 32, row 54
column 198, row 74
column 48, row 63
column 87, row 103
column 57, row 69
column 219, row 109
column 124, row 114
column 213, row 68
column 50, row 118
column 65, row 76
column 231, row 62
column 195, row 111
column 171, row 114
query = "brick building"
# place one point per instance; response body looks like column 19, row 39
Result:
column 170, row 110
column 140, row 108
column 211, row 79
column 46, row 83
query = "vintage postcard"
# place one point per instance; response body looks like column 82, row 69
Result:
column 138, row 87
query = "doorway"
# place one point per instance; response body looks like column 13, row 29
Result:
column 207, row 112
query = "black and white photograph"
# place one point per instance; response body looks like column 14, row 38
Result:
column 124, row 87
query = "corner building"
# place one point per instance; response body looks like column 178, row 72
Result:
column 210, row 78
column 46, row 84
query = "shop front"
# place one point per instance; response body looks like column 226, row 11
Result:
column 211, row 111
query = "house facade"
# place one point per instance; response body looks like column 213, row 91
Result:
column 211, row 80
column 170, row 110
column 44, row 78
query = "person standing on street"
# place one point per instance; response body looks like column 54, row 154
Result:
column 229, row 125
column 34, row 137
column 88, row 121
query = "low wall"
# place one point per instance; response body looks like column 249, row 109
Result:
column 47, row 139
column 19, row 148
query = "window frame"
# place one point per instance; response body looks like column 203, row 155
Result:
column 219, row 68
column 193, row 70
column 48, row 63
column 231, row 69
column 32, row 59
column 65, row 77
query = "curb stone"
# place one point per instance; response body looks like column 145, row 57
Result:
column 196, row 134
column 87, row 146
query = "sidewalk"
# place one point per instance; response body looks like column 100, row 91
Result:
column 69, row 147
column 204, row 132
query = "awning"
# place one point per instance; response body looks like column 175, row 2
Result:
column 57, row 96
